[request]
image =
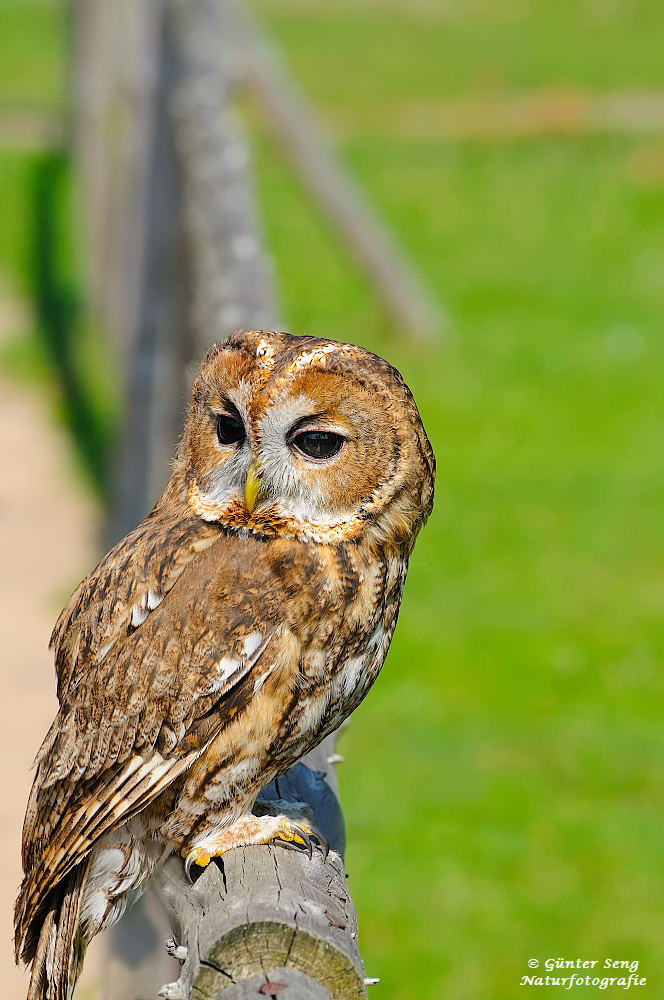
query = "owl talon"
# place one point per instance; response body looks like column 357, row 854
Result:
column 297, row 835
column 292, row 834
column 323, row 842
column 198, row 856
column 255, row 830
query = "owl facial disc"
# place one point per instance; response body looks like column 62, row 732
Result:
column 324, row 442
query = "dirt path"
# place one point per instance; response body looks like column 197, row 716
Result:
column 48, row 531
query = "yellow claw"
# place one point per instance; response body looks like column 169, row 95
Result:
column 252, row 488
column 297, row 833
column 198, row 856
column 254, row 830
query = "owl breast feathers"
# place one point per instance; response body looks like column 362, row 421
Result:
column 224, row 637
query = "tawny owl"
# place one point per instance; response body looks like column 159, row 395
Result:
column 224, row 637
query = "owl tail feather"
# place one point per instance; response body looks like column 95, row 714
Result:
column 60, row 948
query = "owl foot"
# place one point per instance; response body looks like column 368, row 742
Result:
column 254, row 830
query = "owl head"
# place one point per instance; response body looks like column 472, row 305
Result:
column 307, row 438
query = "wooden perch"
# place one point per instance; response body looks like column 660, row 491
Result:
column 262, row 912
column 266, row 916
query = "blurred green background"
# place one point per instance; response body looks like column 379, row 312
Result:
column 504, row 784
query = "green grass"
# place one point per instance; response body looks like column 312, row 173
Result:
column 357, row 52
column 504, row 784
column 32, row 53
column 15, row 209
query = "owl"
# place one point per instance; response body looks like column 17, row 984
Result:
column 224, row 637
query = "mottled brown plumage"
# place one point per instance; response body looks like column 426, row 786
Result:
column 225, row 636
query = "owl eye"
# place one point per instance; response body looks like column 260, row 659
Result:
column 319, row 444
column 229, row 429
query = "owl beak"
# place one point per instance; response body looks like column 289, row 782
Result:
column 252, row 488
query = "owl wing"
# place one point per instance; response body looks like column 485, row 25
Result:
column 133, row 720
column 119, row 594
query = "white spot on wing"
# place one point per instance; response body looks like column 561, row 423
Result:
column 154, row 600
column 251, row 643
column 104, row 650
column 138, row 614
column 226, row 668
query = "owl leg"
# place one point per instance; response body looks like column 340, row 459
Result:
column 253, row 830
